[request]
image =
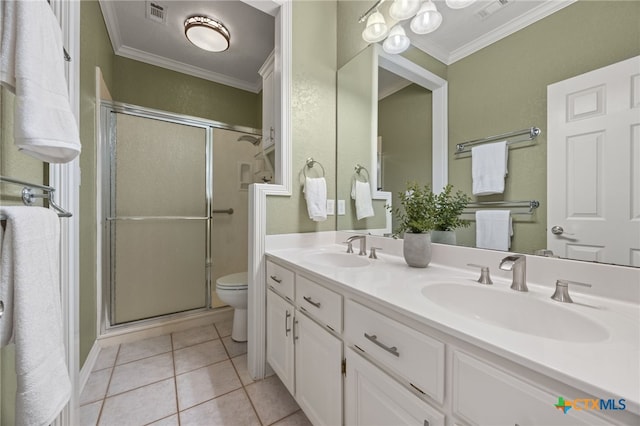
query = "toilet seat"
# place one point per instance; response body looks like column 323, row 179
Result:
column 237, row 281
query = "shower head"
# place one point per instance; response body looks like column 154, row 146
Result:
column 251, row 139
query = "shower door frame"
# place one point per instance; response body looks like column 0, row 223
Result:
column 107, row 130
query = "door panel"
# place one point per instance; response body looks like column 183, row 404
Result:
column 594, row 165
column 158, row 216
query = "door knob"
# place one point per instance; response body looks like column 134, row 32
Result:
column 558, row 230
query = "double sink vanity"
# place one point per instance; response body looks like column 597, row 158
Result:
column 365, row 339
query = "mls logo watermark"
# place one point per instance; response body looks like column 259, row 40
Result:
column 584, row 404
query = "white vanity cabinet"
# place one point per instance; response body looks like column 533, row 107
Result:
column 374, row 398
column 484, row 394
column 301, row 346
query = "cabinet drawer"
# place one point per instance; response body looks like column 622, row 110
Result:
column 414, row 356
column 484, row 394
column 280, row 279
column 320, row 303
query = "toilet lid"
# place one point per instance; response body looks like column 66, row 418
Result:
column 235, row 281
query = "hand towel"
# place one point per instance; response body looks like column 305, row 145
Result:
column 315, row 193
column 493, row 229
column 489, row 168
column 32, row 65
column 31, row 240
column 361, row 193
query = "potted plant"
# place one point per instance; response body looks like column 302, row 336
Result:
column 421, row 212
column 446, row 209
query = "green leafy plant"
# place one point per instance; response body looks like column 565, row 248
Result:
column 421, row 210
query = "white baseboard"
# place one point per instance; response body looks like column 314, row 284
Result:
column 87, row 367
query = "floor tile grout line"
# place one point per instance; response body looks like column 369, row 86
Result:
column 175, row 381
column 286, row 417
column 104, row 399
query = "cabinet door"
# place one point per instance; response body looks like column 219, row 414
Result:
column 318, row 372
column 374, row 398
column 280, row 354
column 485, row 395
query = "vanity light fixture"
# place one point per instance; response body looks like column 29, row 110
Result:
column 206, row 33
column 426, row 19
column 376, row 29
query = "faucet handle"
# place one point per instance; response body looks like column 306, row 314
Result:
column 372, row 252
column 562, row 290
column 485, row 277
column 349, row 246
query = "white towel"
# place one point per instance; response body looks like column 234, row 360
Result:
column 315, row 193
column 32, row 65
column 489, row 168
column 493, row 229
column 31, row 243
column 361, row 193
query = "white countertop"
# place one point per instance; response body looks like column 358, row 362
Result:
column 609, row 368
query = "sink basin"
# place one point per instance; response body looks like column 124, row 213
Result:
column 519, row 312
column 339, row 260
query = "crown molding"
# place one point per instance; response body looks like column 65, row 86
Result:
column 108, row 12
column 545, row 9
column 159, row 61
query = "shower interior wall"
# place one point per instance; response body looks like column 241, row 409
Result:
column 137, row 83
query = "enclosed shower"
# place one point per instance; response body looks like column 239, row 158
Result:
column 175, row 206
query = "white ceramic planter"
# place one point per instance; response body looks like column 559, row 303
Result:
column 443, row 237
column 416, row 249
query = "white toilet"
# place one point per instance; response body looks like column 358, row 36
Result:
column 232, row 290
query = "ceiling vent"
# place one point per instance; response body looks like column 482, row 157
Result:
column 156, row 12
column 491, row 8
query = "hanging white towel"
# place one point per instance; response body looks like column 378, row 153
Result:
column 315, row 193
column 494, row 229
column 32, row 65
column 30, row 265
column 489, row 168
column 361, row 193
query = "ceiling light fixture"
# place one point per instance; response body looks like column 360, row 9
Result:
column 426, row 19
column 206, row 33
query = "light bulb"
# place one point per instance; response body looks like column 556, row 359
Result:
column 458, row 4
column 376, row 28
column 403, row 9
column 427, row 20
column 397, row 41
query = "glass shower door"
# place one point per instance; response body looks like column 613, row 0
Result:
column 158, row 221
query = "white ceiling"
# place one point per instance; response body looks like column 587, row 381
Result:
column 252, row 33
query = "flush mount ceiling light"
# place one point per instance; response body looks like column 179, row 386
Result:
column 426, row 19
column 206, row 33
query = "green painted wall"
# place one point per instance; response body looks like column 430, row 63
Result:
column 503, row 87
column 138, row 83
column 405, row 125
column 95, row 50
column 313, row 113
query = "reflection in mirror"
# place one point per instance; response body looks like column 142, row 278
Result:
column 503, row 87
column 365, row 136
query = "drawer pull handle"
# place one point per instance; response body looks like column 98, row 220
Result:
column 392, row 350
column 286, row 323
column 308, row 299
column 426, row 423
column 273, row 277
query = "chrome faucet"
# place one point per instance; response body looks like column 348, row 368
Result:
column 517, row 264
column 363, row 243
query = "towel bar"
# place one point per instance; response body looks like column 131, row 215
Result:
column 28, row 196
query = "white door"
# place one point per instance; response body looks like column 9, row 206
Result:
column 593, row 161
column 280, row 354
column 318, row 372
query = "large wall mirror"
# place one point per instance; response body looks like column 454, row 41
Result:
column 499, row 89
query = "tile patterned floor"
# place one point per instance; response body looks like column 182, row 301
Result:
column 195, row 377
